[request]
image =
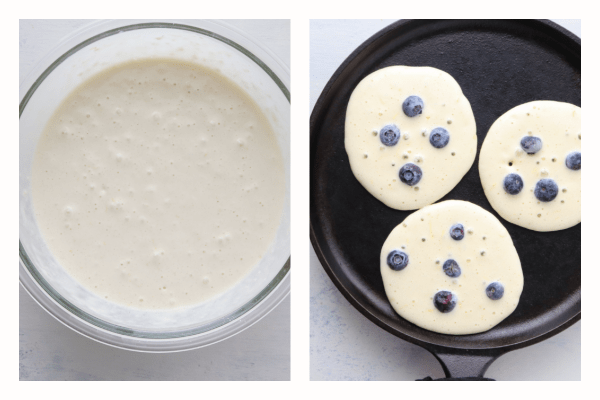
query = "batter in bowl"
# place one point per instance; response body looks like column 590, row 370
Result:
column 410, row 135
column 158, row 184
column 452, row 268
column 530, row 165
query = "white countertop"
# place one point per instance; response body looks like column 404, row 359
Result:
column 50, row 351
column 345, row 345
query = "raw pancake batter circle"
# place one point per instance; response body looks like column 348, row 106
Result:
column 410, row 135
column 530, row 165
column 457, row 248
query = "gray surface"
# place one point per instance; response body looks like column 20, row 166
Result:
column 344, row 344
column 50, row 351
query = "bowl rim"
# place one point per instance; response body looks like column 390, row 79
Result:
column 118, row 336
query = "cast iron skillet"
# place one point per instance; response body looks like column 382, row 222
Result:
column 499, row 65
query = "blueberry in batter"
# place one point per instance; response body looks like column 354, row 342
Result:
column 495, row 291
column 389, row 135
column 573, row 161
column 410, row 174
column 451, row 268
column 513, row 184
column 444, row 301
column 531, row 144
column 439, row 138
column 397, row 260
column 413, row 106
column 457, row 232
column 546, row 190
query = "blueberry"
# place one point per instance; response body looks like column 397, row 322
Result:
column 397, row 260
column 412, row 106
column 389, row 135
column 495, row 291
column 451, row 268
column 573, row 161
column 457, row 232
column 513, row 183
column 439, row 138
column 410, row 174
column 546, row 190
column 531, row 144
column 444, row 301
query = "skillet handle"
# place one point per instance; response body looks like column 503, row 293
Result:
column 465, row 364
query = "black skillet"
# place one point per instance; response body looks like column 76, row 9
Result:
column 499, row 65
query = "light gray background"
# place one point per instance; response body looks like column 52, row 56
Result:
column 50, row 351
column 345, row 345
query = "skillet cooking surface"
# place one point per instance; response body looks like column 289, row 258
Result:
column 499, row 65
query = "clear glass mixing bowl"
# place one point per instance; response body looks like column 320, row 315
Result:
column 81, row 55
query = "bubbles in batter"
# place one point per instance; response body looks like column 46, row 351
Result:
column 140, row 183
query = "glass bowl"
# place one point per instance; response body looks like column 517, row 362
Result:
column 96, row 47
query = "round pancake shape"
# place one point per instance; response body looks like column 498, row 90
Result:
column 530, row 165
column 474, row 267
column 410, row 135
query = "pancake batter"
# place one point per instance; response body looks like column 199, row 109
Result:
column 452, row 268
column 410, row 135
column 530, row 165
column 158, row 184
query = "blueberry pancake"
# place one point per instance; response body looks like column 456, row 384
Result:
column 410, row 135
column 452, row 268
column 530, row 165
